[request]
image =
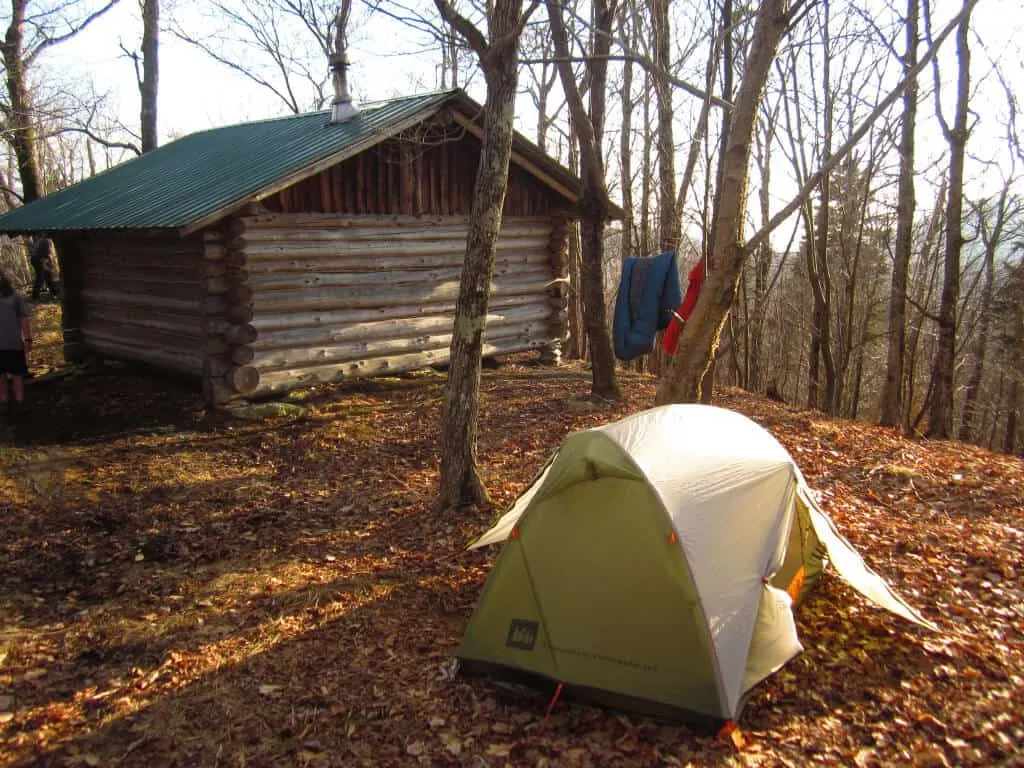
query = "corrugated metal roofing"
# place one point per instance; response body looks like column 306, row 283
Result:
column 180, row 183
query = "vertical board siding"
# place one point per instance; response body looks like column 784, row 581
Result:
column 413, row 176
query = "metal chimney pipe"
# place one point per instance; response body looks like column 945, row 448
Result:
column 342, row 108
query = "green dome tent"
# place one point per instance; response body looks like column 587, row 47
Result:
column 653, row 566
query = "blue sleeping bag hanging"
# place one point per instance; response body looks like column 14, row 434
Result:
column 649, row 292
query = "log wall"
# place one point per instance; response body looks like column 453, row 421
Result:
column 137, row 297
column 312, row 298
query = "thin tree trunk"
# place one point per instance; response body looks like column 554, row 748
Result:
column 150, row 72
column 928, row 259
column 707, row 385
column 969, row 414
column 626, row 144
column 594, row 198
column 892, row 390
column 701, row 334
column 460, row 482
column 645, row 172
column 668, row 218
column 940, row 418
column 1012, row 414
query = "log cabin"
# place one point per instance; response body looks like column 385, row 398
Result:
column 288, row 252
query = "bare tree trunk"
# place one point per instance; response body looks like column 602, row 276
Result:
column 700, row 336
column 645, row 172
column 892, row 391
column 925, row 288
column 1012, row 414
column 594, row 197
column 762, row 259
column 150, row 72
column 668, row 218
column 991, row 238
column 20, row 119
column 940, row 417
column 460, row 482
column 817, row 263
column 626, row 142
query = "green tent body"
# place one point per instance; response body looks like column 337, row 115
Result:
column 653, row 565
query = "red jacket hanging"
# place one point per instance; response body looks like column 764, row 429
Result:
column 695, row 282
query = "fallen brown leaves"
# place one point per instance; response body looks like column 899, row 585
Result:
column 181, row 588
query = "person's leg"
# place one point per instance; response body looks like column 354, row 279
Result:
column 18, row 385
column 51, row 284
column 3, row 389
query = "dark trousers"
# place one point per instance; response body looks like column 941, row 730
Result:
column 43, row 277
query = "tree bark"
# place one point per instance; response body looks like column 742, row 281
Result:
column 20, row 120
column 668, row 218
column 150, row 72
column 892, row 389
column 594, row 198
column 940, row 416
column 991, row 238
column 460, row 482
column 700, row 337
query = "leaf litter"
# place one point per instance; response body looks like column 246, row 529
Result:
column 185, row 588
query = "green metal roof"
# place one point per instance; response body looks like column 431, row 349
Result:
column 187, row 180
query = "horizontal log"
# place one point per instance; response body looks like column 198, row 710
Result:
column 413, row 233
column 243, row 379
column 124, row 256
column 210, row 269
column 145, row 336
column 312, row 281
column 242, row 355
column 186, row 325
column 240, row 294
column 373, row 262
column 240, row 314
column 215, row 286
column 403, row 327
column 215, row 251
column 214, row 345
column 151, row 273
column 265, row 322
column 241, row 334
column 259, row 251
column 332, row 221
column 300, row 357
column 142, row 337
column 234, row 333
column 173, row 361
column 361, row 297
column 113, row 299
column 133, row 286
column 282, row 381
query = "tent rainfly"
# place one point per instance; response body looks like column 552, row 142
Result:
column 654, row 563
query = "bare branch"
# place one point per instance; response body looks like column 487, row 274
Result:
column 812, row 182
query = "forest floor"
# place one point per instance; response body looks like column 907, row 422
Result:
column 185, row 588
